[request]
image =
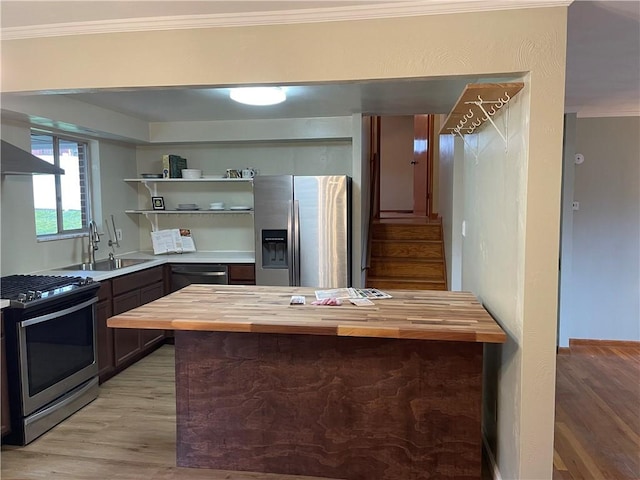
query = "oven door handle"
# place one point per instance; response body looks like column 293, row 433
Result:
column 60, row 313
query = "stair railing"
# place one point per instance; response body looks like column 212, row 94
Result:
column 374, row 188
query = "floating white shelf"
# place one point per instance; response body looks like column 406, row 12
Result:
column 176, row 180
column 190, row 212
column 153, row 184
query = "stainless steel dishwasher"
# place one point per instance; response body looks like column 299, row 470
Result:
column 183, row 274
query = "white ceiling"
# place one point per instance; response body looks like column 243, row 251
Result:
column 603, row 62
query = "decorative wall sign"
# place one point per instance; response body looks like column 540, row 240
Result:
column 157, row 203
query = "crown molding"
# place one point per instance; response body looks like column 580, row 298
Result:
column 279, row 17
column 602, row 112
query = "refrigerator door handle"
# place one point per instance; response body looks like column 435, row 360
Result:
column 296, row 242
column 290, row 243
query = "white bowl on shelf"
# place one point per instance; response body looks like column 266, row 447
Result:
column 191, row 173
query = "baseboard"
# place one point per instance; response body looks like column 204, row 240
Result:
column 584, row 342
column 495, row 472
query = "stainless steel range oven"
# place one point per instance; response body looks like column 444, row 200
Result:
column 51, row 341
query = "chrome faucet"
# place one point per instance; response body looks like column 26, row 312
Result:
column 94, row 239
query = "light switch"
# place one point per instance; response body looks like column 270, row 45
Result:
column 576, row 205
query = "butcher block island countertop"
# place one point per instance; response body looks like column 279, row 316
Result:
column 391, row 391
column 409, row 314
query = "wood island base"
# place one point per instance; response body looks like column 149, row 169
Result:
column 329, row 406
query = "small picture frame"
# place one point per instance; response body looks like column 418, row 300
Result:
column 157, row 203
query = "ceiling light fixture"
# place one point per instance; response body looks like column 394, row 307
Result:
column 258, row 95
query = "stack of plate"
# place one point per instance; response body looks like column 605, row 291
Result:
column 188, row 206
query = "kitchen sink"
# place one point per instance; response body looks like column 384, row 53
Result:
column 106, row 265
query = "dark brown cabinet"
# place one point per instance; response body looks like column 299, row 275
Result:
column 242, row 274
column 6, row 419
column 104, row 309
column 131, row 291
column 119, row 348
column 148, row 338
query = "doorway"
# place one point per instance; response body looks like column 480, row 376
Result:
column 405, row 166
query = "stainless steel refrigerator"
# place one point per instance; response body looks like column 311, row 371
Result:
column 303, row 230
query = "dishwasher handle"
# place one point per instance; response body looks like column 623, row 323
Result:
column 206, row 270
column 206, row 274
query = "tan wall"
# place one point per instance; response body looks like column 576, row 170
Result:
column 493, row 250
column 506, row 42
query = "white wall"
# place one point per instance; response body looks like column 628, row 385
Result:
column 21, row 252
column 396, row 171
column 565, row 287
column 604, row 296
column 112, row 195
column 451, row 204
column 231, row 232
column 492, row 263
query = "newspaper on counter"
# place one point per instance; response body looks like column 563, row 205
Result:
column 347, row 293
column 372, row 293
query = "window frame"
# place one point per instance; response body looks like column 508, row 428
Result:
column 85, row 195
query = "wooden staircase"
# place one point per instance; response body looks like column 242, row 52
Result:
column 407, row 256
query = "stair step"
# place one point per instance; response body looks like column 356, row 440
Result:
column 394, row 231
column 397, row 267
column 416, row 249
column 386, row 283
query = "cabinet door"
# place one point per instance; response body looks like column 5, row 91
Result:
column 106, row 361
column 242, row 274
column 148, row 294
column 125, row 302
column 126, row 341
column 151, row 292
column 6, row 419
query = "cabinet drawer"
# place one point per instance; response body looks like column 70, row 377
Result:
column 151, row 292
column 136, row 280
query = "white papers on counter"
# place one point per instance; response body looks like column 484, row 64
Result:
column 373, row 293
column 172, row 241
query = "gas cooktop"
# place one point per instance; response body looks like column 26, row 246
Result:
column 28, row 290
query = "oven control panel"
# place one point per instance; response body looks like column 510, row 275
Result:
column 25, row 290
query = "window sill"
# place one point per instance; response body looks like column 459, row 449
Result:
column 63, row 236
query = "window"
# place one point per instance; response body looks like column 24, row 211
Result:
column 61, row 201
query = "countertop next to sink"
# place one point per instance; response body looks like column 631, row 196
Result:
column 155, row 260
column 4, row 304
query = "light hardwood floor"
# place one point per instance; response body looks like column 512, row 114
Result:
column 128, row 433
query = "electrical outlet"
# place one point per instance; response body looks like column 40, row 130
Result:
column 118, row 234
column 576, row 205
